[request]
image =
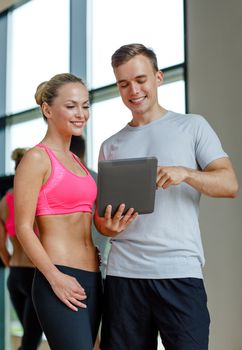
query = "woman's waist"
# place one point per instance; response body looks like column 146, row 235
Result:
column 66, row 238
column 20, row 259
column 81, row 256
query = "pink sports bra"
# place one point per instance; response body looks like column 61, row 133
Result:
column 64, row 192
column 9, row 223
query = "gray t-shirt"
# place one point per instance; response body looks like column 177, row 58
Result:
column 167, row 242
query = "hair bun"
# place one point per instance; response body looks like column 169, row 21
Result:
column 39, row 93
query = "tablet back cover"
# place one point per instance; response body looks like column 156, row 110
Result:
column 131, row 181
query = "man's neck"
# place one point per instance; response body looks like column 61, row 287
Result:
column 143, row 119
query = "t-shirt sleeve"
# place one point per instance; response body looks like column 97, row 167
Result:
column 207, row 144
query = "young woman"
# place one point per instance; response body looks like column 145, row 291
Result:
column 21, row 270
column 53, row 186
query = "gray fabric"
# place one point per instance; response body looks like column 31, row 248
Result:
column 166, row 243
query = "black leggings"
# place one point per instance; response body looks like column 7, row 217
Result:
column 64, row 328
column 19, row 285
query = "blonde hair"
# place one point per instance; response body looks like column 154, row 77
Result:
column 17, row 155
column 47, row 91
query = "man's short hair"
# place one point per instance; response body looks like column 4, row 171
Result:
column 126, row 52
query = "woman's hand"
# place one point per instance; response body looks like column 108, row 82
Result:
column 69, row 291
column 111, row 226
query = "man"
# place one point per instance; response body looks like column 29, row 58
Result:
column 154, row 276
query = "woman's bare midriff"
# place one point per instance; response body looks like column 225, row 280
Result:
column 68, row 241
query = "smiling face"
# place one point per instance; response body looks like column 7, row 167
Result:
column 137, row 83
column 69, row 111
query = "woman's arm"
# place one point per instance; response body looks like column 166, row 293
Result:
column 4, row 253
column 31, row 173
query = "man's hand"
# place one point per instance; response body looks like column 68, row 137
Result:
column 170, row 175
column 218, row 179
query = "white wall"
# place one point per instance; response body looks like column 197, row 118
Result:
column 215, row 91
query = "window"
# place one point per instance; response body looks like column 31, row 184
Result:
column 155, row 23
column 158, row 24
column 38, row 48
column 25, row 134
column 107, row 118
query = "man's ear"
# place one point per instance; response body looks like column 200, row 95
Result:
column 46, row 110
column 159, row 77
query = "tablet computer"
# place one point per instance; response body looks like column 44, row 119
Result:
column 130, row 181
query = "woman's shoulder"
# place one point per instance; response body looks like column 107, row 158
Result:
column 35, row 160
column 36, row 154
